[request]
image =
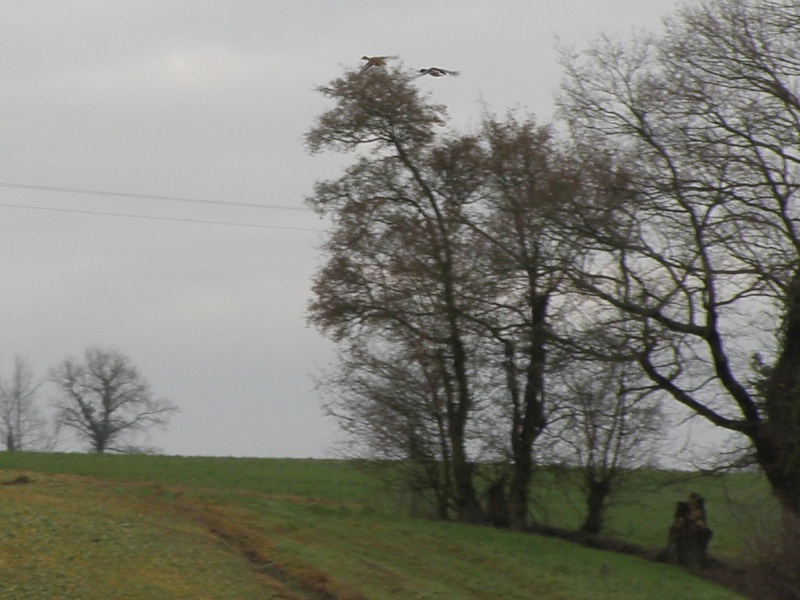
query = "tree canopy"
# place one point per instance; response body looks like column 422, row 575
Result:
column 106, row 400
column 464, row 270
column 699, row 251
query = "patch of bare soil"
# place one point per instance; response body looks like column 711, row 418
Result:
column 21, row 480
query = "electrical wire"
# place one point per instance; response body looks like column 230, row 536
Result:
column 154, row 218
column 91, row 192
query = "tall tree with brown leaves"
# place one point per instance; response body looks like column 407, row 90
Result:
column 393, row 266
column 444, row 250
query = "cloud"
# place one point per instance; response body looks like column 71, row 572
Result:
column 210, row 100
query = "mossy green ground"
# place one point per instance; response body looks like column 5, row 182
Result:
column 740, row 507
column 168, row 527
column 69, row 537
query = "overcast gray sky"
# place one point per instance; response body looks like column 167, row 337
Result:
column 209, row 100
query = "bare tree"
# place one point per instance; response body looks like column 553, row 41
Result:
column 22, row 426
column 390, row 402
column 106, row 401
column 522, row 254
column 607, row 424
column 698, row 243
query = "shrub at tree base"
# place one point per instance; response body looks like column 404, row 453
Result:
column 777, row 575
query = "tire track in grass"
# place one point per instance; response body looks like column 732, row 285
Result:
column 164, row 509
column 297, row 582
column 75, row 537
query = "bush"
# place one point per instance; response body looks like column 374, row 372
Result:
column 777, row 572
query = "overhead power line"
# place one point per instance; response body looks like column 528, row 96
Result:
column 68, row 190
column 154, row 218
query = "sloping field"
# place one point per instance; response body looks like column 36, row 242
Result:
column 70, row 537
column 104, row 527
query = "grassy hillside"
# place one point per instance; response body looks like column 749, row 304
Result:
column 170, row 527
column 740, row 507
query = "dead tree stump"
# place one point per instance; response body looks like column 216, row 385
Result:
column 689, row 535
column 497, row 508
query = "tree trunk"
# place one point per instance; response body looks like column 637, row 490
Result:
column 466, row 500
column 775, row 454
column 528, row 420
column 518, row 490
column 467, row 506
column 460, row 402
column 595, row 506
column 777, row 442
column 497, row 505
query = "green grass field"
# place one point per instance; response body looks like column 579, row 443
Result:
column 151, row 527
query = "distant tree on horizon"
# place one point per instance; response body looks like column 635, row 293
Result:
column 106, row 400
column 22, row 425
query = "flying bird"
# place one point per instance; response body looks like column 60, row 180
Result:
column 375, row 61
column 436, row 72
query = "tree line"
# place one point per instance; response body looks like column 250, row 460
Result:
column 102, row 398
column 524, row 291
